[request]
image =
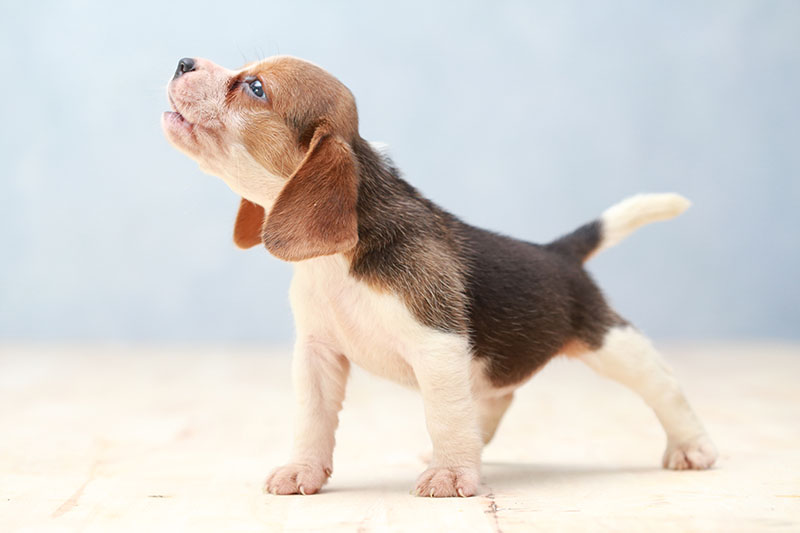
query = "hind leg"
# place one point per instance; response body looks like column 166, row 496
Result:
column 490, row 412
column 628, row 357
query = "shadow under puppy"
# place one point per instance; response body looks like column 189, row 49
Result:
column 387, row 280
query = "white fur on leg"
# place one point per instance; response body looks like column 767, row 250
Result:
column 490, row 412
column 376, row 331
column 320, row 377
column 442, row 368
column 694, row 454
column 628, row 357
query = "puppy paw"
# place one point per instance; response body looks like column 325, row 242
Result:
column 443, row 482
column 297, row 478
column 696, row 454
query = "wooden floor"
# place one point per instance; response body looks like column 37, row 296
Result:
column 166, row 439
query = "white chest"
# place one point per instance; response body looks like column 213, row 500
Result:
column 372, row 329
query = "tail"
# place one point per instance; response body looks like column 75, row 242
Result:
column 617, row 222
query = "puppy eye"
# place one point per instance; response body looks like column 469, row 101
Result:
column 257, row 89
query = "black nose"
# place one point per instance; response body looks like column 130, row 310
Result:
column 184, row 65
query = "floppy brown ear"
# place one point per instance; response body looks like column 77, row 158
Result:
column 249, row 224
column 315, row 213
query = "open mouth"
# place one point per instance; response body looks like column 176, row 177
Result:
column 175, row 117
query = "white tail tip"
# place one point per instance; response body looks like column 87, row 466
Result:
column 620, row 220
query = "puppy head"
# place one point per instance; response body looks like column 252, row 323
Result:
column 279, row 132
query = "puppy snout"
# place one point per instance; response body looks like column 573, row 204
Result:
column 187, row 64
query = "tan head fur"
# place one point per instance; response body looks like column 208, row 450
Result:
column 285, row 148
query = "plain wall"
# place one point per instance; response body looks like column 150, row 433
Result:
column 524, row 117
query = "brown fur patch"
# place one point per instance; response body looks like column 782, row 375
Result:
column 272, row 144
column 301, row 97
column 574, row 348
column 248, row 229
column 315, row 213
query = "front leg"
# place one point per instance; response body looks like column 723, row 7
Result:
column 319, row 376
column 442, row 369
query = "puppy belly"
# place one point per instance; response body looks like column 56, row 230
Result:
column 381, row 361
column 482, row 386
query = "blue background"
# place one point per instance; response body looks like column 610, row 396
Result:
column 524, row 117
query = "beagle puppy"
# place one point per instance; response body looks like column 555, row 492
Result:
column 387, row 280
